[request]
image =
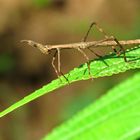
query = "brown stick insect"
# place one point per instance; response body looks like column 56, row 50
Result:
column 81, row 46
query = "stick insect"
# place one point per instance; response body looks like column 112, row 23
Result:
column 81, row 46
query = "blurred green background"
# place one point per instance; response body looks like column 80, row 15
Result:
column 24, row 69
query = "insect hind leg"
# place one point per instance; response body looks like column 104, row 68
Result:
column 94, row 24
column 108, row 38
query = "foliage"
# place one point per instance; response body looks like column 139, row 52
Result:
column 114, row 116
column 105, row 66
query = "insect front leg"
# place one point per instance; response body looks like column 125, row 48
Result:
column 59, row 65
column 53, row 60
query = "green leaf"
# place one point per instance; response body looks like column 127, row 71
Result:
column 115, row 116
column 105, row 66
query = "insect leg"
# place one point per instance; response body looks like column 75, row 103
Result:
column 108, row 37
column 55, row 69
column 121, row 49
column 101, row 31
column 98, row 28
column 59, row 65
column 113, row 38
column 87, row 58
column 94, row 52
